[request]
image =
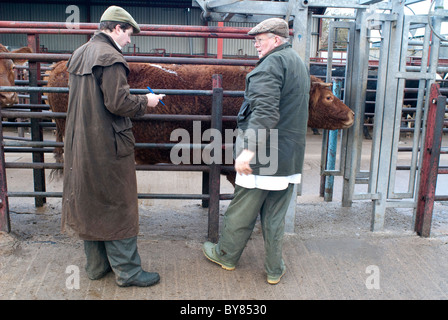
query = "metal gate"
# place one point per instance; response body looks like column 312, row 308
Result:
column 387, row 171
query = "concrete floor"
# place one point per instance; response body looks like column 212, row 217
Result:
column 332, row 253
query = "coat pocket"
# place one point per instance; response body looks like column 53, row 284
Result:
column 124, row 138
column 245, row 110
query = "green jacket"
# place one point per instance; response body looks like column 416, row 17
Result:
column 276, row 97
column 100, row 188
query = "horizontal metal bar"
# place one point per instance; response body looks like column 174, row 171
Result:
column 143, row 27
column 228, row 93
column 41, row 144
column 33, row 165
column 184, row 167
column 133, row 91
column 331, row 173
column 175, row 34
column 48, row 115
column 31, row 114
column 50, row 57
column 142, row 167
column 415, row 76
column 146, row 117
column 162, row 196
column 18, row 150
column 30, row 143
column 21, row 124
column 35, row 194
column 401, row 204
column 366, row 196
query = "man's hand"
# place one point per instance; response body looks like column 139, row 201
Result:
column 242, row 162
column 153, row 99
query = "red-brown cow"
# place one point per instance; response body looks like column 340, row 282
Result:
column 8, row 99
column 326, row 111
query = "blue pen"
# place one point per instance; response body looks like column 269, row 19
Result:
column 150, row 90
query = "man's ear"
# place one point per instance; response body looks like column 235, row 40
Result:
column 117, row 29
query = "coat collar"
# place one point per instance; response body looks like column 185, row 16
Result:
column 101, row 50
column 279, row 48
column 104, row 37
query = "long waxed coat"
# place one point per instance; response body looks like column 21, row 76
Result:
column 100, row 188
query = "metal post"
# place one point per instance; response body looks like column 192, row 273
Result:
column 301, row 44
column 430, row 162
column 390, row 109
column 36, row 130
column 332, row 148
column 356, row 98
column 4, row 206
column 215, row 168
column 205, row 188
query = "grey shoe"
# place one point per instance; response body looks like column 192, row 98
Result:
column 143, row 279
column 98, row 276
column 209, row 251
column 126, row 264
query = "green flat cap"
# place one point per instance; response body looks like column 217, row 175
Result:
column 274, row 25
column 118, row 14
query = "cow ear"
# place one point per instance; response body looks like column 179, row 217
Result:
column 21, row 50
column 322, row 84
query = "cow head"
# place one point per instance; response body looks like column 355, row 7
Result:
column 326, row 110
column 8, row 99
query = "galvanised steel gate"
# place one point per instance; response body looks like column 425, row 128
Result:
column 388, row 169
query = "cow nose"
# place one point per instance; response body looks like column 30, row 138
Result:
column 8, row 98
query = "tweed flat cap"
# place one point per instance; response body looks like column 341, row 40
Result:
column 274, row 25
column 118, row 14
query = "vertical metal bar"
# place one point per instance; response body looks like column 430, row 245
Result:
column 36, row 130
column 379, row 106
column 205, row 188
column 300, row 41
column 385, row 151
column 357, row 99
column 430, row 162
column 220, row 43
column 332, row 149
column 215, row 168
column 323, row 162
column 4, row 205
column 325, row 135
column 347, row 92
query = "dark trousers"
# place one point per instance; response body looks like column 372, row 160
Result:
column 120, row 256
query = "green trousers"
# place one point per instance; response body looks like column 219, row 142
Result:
column 239, row 222
column 120, row 256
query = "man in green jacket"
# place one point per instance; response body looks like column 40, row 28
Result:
column 100, row 204
column 269, row 150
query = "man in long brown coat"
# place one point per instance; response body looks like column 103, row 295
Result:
column 100, row 188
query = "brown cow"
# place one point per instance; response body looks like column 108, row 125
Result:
column 326, row 111
column 8, row 99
